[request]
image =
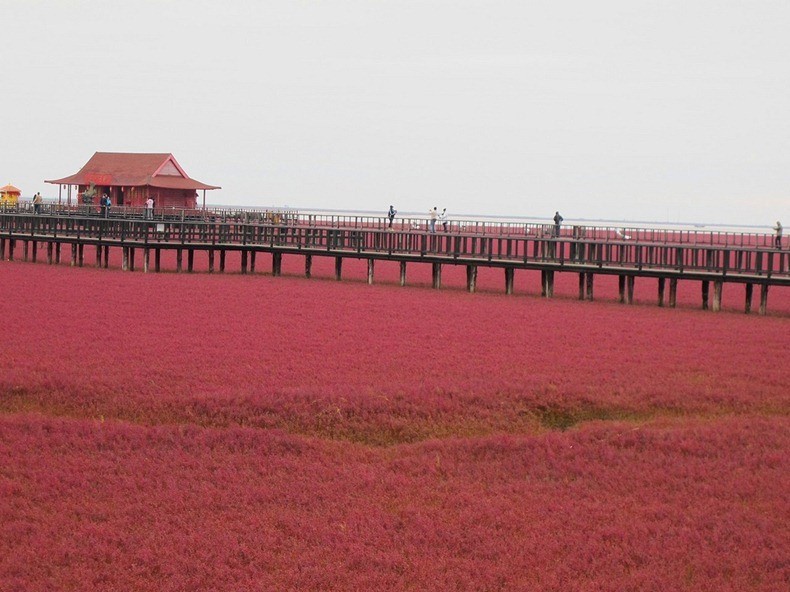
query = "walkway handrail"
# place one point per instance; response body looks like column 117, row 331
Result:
column 293, row 217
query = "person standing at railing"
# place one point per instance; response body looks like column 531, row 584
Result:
column 37, row 201
column 149, row 208
column 778, row 231
column 433, row 214
column 557, row 223
column 391, row 215
column 443, row 219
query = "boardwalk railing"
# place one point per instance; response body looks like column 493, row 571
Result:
column 606, row 255
column 585, row 253
column 293, row 217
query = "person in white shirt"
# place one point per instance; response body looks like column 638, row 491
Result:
column 778, row 231
column 149, row 208
column 443, row 219
column 434, row 215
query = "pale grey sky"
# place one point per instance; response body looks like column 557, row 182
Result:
column 671, row 110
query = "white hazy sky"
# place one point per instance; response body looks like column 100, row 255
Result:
column 665, row 110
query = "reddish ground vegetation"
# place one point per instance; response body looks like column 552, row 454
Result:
column 178, row 432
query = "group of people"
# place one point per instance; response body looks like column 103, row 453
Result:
column 106, row 204
column 434, row 216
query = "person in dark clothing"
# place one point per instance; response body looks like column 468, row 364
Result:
column 557, row 222
column 391, row 214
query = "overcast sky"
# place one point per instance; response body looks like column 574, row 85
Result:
column 623, row 109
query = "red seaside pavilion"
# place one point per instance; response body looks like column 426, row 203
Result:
column 130, row 178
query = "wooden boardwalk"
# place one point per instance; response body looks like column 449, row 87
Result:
column 587, row 254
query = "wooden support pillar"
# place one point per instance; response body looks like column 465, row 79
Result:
column 158, row 260
column 252, row 261
column 146, row 259
column 749, row 292
column 2, row 249
column 308, row 265
column 49, row 253
column 179, row 260
column 243, row 262
column 190, row 260
column 471, row 278
column 277, row 264
column 582, row 285
column 125, row 261
column 211, row 260
column 11, row 247
column 590, row 277
column 402, row 273
column 547, row 289
column 57, row 253
column 80, row 254
column 621, row 288
column 763, row 298
column 629, row 289
column 222, row 261
column 717, row 286
column 132, row 252
column 338, row 268
column 98, row 255
column 35, row 251
column 370, row 271
column 705, row 294
column 26, row 249
column 509, row 273
column 74, row 255
column 661, row 282
column 106, row 256
column 673, row 292
column 436, row 275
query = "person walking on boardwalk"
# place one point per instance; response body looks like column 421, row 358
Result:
column 443, row 219
column 37, row 203
column 391, row 215
column 434, row 214
column 778, row 231
column 149, row 208
column 557, row 222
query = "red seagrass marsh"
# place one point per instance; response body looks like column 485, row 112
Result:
column 227, row 432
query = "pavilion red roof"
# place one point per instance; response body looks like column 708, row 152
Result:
column 133, row 169
column 9, row 189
